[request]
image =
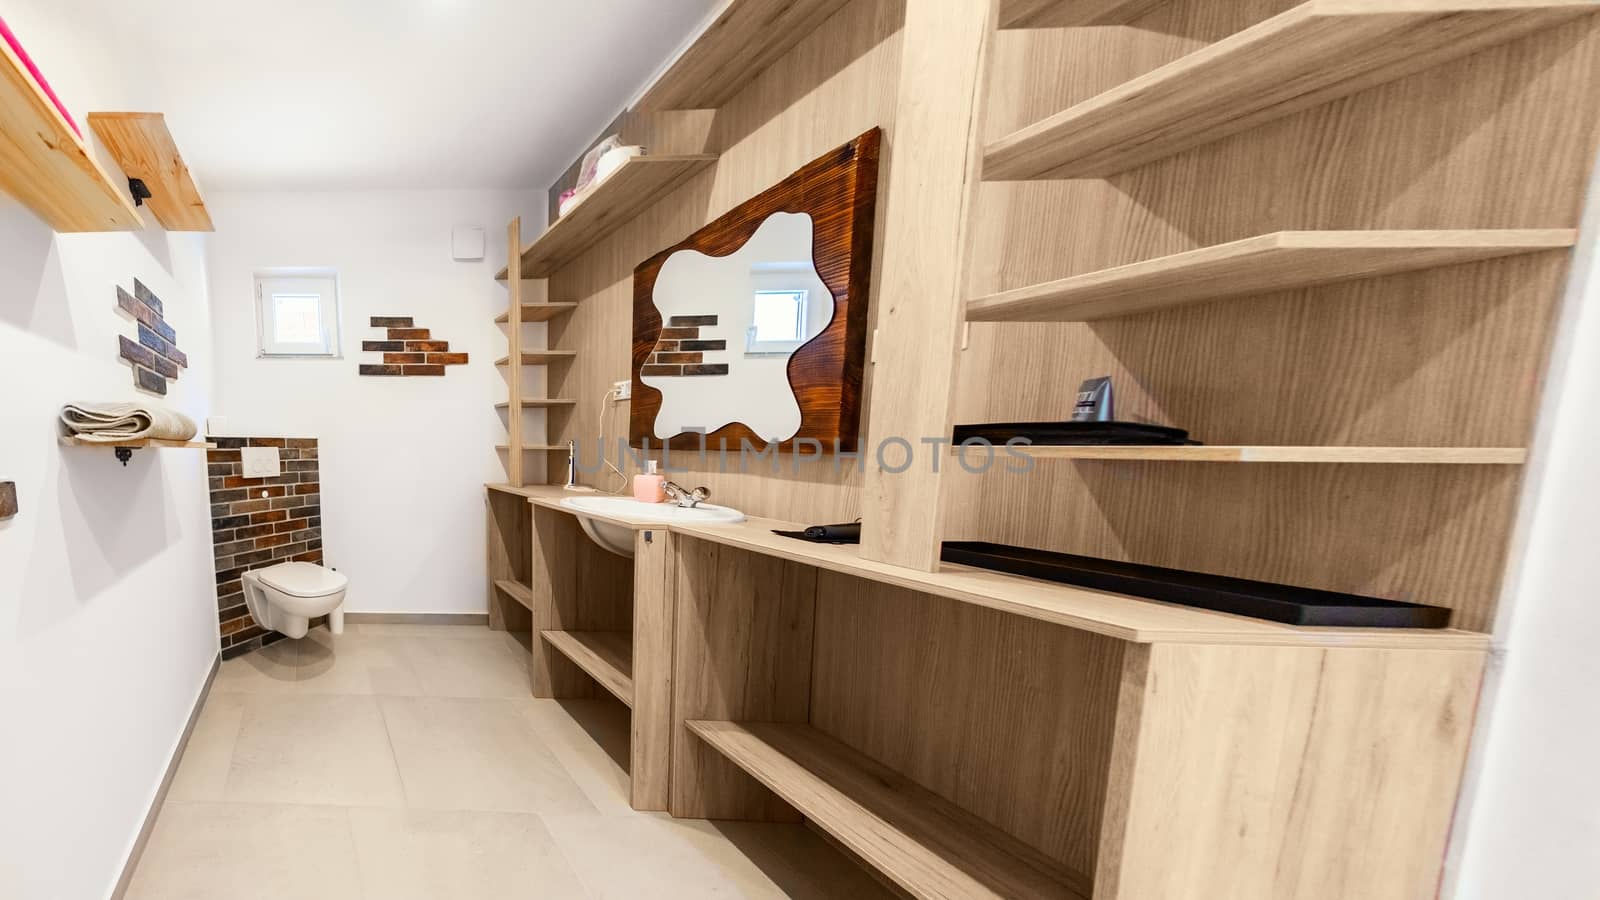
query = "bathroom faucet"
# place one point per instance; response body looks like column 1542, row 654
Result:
column 684, row 498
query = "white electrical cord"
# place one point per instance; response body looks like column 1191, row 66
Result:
column 605, row 406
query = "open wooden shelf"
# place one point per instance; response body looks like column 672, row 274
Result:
column 606, row 655
column 1314, row 53
column 142, row 444
column 746, row 37
column 1452, row 456
column 517, row 591
column 47, row 167
column 1286, row 260
column 534, row 448
column 1132, row 619
column 635, row 185
column 539, row 357
column 144, row 148
column 1071, row 13
column 538, row 404
column 920, row 841
column 537, row 312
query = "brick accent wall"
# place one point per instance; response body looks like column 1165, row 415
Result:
column 252, row 531
column 408, row 350
column 681, row 351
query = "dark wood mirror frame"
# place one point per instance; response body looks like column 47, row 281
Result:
column 839, row 192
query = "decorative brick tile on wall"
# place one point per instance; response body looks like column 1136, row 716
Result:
column 680, row 351
column 252, row 531
column 408, row 350
column 155, row 357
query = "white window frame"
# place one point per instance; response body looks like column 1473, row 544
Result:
column 756, row 347
column 321, row 282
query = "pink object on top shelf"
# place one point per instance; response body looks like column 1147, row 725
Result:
column 38, row 77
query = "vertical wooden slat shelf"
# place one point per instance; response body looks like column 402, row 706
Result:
column 1314, row 53
column 47, row 167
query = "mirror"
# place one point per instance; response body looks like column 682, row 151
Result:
column 727, row 361
column 754, row 327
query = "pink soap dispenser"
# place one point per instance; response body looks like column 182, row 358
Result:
column 649, row 487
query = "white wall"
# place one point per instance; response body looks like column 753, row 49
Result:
column 1529, row 819
column 404, row 460
column 108, row 618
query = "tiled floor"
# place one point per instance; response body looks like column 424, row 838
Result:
column 406, row 761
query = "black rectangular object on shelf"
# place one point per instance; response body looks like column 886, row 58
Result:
column 1258, row 599
column 1066, row 434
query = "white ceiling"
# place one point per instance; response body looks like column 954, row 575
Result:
column 356, row 94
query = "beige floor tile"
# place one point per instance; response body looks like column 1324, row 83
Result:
column 431, row 854
column 653, row 855
column 477, row 754
column 474, row 667
column 354, row 663
column 206, row 851
column 395, row 629
column 203, row 772
column 269, row 670
column 591, row 739
column 313, row 748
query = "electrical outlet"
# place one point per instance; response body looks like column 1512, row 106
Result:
column 624, row 390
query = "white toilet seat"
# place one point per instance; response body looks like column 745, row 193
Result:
column 287, row 596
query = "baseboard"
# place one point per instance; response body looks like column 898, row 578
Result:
column 154, row 812
column 418, row 618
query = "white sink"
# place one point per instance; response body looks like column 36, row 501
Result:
column 611, row 521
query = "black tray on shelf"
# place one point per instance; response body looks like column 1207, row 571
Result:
column 1259, row 599
column 1089, row 434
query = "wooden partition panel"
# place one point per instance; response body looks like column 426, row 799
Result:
column 576, row 587
column 742, row 653
column 510, row 522
column 1008, row 718
column 1297, row 773
column 655, row 577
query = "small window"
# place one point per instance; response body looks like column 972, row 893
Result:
column 297, row 315
column 778, row 322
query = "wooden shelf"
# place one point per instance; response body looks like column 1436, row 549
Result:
column 538, row 404
column 144, row 444
column 516, row 591
column 534, row 448
column 920, row 841
column 537, row 312
column 1312, row 54
column 746, row 38
column 1286, row 260
column 47, row 167
column 144, row 148
column 539, row 357
column 1126, row 618
column 634, row 186
column 1072, row 13
column 1452, row 456
column 606, row 655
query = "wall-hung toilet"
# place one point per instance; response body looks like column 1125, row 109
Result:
column 287, row 596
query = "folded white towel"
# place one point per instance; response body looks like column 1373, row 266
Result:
column 113, row 422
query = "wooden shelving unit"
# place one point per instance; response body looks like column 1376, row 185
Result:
column 637, row 184
column 534, row 448
column 1286, row 260
column 1317, row 52
column 1071, row 13
column 1451, row 456
column 746, row 37
column 516, row 590
column 920, row 841
column 47, row 167
column 538, row 312
column 607, row 656
column 538, row 404
column 143, row 444
column 540, row 357
column 144, row 148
